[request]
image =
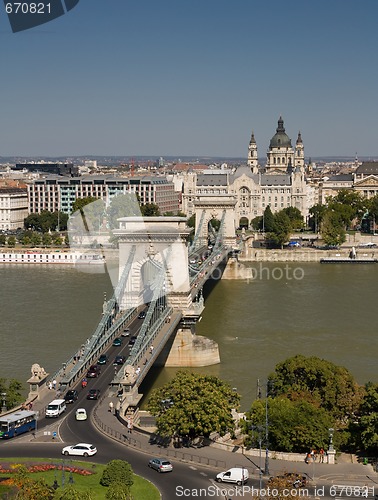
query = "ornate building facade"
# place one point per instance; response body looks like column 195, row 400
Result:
column 280, row 183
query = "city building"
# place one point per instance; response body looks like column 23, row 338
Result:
column 59, row 193
column 49, row 168
column 280, row 183
column 13, row 207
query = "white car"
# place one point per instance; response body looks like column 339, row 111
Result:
column 80, row 449
column 81, row 414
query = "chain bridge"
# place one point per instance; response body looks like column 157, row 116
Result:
column 162, row 276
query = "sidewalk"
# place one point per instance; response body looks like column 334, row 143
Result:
column 340, row 473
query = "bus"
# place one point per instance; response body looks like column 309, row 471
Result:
column 16, row 423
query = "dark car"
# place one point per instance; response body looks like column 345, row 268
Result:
column 71, row 396
column 119, row 360
column 102, row 360
column 132, row 340
column 142, row 315
column 93, row 394
column 117, row 341
column 93, row 372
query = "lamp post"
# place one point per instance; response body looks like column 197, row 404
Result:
column 266, row 469
column 259, row 429
column 4, row 405
column 330, row 433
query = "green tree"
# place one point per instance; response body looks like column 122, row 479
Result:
column 268, row 220
column 32, row 221
column 46, row 239
column 282, row 229
column 12, row 388
column 294, row 426
column 150, row 210
column 57, row 239
column 11, row 241
column 332, row 229
column 117, row 471
column 364, row 430
column 317, row 213
column 193, row 405
column 80, row 203
column 350, row 205
column 191, row 222
column 319, row 382
column 257, row 223
column 295, row 216
column 35, row 239
column 117, row 491
column 3, row 239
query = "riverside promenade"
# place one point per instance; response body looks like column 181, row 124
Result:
column 218, row 457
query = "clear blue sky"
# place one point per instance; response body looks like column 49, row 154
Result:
column 192, row 77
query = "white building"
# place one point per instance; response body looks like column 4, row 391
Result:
column 13, row 207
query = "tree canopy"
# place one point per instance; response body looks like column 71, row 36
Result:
column 117, row 471
column 319, row 382
column 12, row 388
column 193, row 405
column 294, row 426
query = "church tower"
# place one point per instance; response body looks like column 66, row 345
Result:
column 280, row 155
column 299, row 152
column 252, row 153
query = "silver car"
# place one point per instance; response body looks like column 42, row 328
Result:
column 160, row 465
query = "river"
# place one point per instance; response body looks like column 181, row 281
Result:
column 328, row 311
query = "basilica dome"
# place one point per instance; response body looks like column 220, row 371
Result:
column 280, row 138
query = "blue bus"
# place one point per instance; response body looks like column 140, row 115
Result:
column 17, row 422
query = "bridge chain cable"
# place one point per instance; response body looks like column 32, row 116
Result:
column 193, row 246
column 108, row 325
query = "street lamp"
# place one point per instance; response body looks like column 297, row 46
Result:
column 266, row 470
column 4, row 398
column 259, row 429
column 330, row 433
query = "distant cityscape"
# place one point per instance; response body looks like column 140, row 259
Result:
column 284, row 178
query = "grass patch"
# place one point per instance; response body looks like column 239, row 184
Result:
column 140, row 490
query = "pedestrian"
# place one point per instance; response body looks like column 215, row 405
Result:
column 50, row 385
column 30, row 406
column 111, row 406
column 137, row 371
column 151, row 349
column 117, row 408
column 54, row 384
column 169, row 319
column 308, row 457
column 129, row 426
column 321, row 455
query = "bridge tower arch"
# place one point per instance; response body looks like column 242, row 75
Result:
column 221, row 207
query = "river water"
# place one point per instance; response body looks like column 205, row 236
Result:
column 328, row 311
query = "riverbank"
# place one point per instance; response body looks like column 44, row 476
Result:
column 301, row 254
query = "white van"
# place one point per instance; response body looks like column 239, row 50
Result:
column 55, row 408
column 238, row 475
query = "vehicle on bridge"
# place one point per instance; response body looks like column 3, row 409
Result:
column 93, row 394
column 103, row 359
column 94, row 371
column 55, row 408
column 71, row 396
column 132, row 340
column 126, row 332
column 81, row 414
column 119, row 360
column 80, row 449
column 142, row 315
column 117, row 342
column 17, row 423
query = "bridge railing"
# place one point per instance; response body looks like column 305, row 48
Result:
column 108, row 326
